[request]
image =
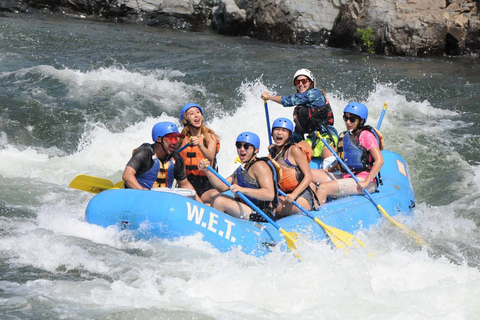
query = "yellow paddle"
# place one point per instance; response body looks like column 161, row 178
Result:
column 291, row 237
column 92, row 184
column 404, row 228
column 120, row 184
column 341, row 239
column 96, row 185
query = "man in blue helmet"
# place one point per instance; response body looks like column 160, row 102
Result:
column 256, row 178
column 158, row 164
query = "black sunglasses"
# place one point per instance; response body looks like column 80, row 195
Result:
column 246, row 146
column 352, row 118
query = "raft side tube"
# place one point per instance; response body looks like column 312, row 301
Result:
column 356, row 212
column 157, row 214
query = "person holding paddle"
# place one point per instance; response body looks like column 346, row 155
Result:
column 158, row 164
column 296, row 173
column 360, row 148
column 311, row 104
column 256, row 179
column 202, row 143
column 312, row 114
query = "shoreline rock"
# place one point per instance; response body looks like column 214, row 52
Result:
column 387, row 27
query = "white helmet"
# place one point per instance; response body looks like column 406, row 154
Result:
column 305, row 72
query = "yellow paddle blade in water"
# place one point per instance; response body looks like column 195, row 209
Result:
column 91, row 184
column 291, row 238
column 404, row 228
column 341, row 239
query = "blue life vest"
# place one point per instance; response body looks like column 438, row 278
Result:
column 355, row 156
column 159, row 175
column 243, row 179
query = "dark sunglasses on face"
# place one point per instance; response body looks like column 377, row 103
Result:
column 352, row 119
column 303, row 81
column 245, row 146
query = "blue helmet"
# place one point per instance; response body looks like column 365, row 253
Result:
column 186, row 107
column 358, row 109
column 283, row 123
column 163, row 128
column 249, row 137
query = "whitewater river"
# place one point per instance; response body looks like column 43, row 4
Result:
column 77, row 96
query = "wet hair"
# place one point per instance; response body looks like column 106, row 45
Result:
column 206, row 132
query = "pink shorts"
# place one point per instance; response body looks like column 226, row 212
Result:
column 348, row 186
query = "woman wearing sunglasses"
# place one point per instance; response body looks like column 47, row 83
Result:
column 312, row 113
column 203, row 143
column 157, row 165
column 296, row 173
column 256, row 178
column 360, row 148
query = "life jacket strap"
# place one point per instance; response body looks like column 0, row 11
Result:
column 161, row 181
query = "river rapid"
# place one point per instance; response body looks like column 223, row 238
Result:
column 76, row 96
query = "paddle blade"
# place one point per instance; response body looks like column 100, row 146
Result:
column 291, row 238
column 120, row 184
column 404, row 228
column 341, row 239
column 91, row 184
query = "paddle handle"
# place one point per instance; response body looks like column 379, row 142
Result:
column 244, row 198
column 268, row 122
column 348, row 170
column 297, row 205
column 183, row 147
column 379, row 124
column 408, row 231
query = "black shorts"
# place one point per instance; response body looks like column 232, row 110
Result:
column 201, row 184
column 307, row 194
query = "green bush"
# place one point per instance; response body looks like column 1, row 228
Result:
column 367, row 38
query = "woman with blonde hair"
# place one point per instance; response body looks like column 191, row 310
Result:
column 203, row 144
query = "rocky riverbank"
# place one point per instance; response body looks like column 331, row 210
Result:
column 389, row 27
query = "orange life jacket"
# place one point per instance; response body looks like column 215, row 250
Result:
column 291, row 174
column 306, row 148
column 192, row 156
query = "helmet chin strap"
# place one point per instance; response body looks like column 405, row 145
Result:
column 253, row 155
column 361, row 124
column 163, row 148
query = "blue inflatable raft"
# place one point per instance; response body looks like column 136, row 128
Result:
column 168, row 215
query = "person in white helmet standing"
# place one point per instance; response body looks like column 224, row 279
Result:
column 312, row 114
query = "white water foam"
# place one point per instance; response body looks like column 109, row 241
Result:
column 168, row 277
column 157, row 84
